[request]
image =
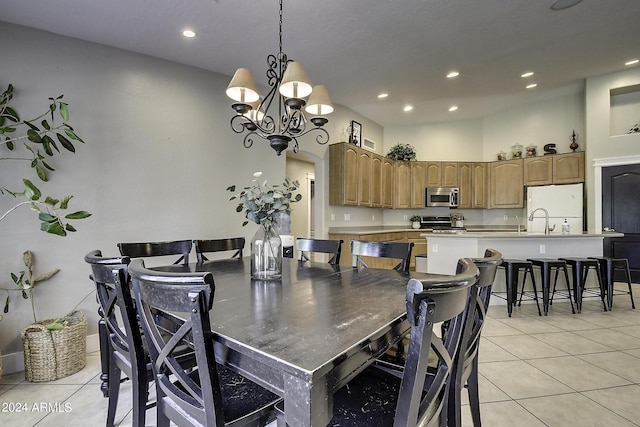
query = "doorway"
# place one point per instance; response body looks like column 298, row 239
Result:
column 621, row 212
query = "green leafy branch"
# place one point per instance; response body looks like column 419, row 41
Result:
column 41, row 132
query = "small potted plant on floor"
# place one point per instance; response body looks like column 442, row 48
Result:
column 415, row 221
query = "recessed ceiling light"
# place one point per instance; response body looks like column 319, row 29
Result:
column 453, row 74
column 531, row 86
column 189, row 34
column 407, row 108
column 453, row 108
column 632, row 62
column 564, row 4
column 383, row 95
column 527, row 74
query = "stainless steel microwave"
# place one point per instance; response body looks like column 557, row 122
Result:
column 441, row 196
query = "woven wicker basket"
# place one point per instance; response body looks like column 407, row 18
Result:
column 49, row 355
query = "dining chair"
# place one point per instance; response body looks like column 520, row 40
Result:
column 333, row 247
column 397, row 250
column 219, row 245
column 210, row 394
column 121, row 346
column 156, row 249
column 466, row 366
column 382, row 394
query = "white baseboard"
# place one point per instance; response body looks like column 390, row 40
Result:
column 14, row 362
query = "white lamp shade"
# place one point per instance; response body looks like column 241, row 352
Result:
column 319, row 102
column 242, row 87
column 295, row 83
column 255, row 114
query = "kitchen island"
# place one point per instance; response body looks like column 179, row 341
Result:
column 444, row 250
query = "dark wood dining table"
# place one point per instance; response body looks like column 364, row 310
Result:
column 307, row 334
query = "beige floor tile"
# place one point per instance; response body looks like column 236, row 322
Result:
column 577, row 374
column 531, row 325
column 611, row 338
column 488, row 392
column 519, row 380
column 572, row 342
column 621, row 400
column 622, row 364
column 31, row 402
column 502, row 414
column 634, row 330
column 526, row 347
column 572, row 410
column 494, row 328
column 610, row 319
column 568, row 322
column 490, row 352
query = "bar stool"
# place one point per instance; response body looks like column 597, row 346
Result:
column 545, row 265
column 512, row 268
column 580, row 268
column 608, row 265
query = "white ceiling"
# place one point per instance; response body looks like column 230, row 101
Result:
column 358, row 48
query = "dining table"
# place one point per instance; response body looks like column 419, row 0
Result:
column 307, row 334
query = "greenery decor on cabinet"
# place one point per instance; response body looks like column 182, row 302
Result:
column 402, row 152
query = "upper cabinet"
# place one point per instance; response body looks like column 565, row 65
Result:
column 364, row 177
column 402, row 177
column 449, row 174
column 480, row 199
column 441, row 174
column 388, row 182
column 473, row 184
column 343, row 176
column 506, row 189
column 554, row 169
column 418, row 183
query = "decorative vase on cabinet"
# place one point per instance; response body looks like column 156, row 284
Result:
column 266, row 254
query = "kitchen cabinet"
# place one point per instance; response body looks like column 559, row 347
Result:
column 388, row 183
column 402, row 176
column 418, row 182
column 419, row 246
column 343, row 174
column 554, row 169
column 473, row 185
column 376, row 180
column 568, row 168
column 433, row 174
column 506, row 184
column 449, row 174
column 347, row 259
column 364, row 178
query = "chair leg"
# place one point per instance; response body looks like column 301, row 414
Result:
column 628, row 275
column 533, row 284
column 600, row 283
column 114, row 391
column 566, row 278
column 105, row 351
column 140, row 395
column 162, row 420
column 474, row 396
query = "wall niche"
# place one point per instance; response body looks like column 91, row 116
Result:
column 624, row 110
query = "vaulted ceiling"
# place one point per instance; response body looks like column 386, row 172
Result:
column 360, row 48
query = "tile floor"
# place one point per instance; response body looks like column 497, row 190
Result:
column 562, row 370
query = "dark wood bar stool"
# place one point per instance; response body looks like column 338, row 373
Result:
column 608, row 265
column 580, row 268
column 546, row 265
column 512, row 268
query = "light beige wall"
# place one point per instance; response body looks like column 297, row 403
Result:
column 300, row 170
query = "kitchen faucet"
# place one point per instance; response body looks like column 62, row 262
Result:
column 547, row 230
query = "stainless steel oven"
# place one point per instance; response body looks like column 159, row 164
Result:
column 442, row 196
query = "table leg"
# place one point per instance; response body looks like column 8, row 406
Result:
column 307, row 404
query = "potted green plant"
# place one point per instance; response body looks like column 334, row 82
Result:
column 415, row 221
column 33, row 142
column 402, row 152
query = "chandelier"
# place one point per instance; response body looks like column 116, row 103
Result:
column 287, row 96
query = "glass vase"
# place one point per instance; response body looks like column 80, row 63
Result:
column 266, row 254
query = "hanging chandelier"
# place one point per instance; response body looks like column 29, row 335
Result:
column 287, row 96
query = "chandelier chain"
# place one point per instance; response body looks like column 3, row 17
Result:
column 280, row 22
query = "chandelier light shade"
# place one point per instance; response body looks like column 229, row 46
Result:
column 279, row 116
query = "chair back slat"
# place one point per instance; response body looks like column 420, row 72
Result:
column 333, row 247
column 397, row 250
column 219, row 245
column 156, row 249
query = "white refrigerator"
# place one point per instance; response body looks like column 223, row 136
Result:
column 561, row 201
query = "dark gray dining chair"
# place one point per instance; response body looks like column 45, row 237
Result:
column 388, row 395
column 157, row 249
column 332, row 247
column 466, row 368
column 121, row 348
column 235, row 244
column 211, row 394
column 397, row 250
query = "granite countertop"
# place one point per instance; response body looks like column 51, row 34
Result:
column 522, row 235
column 373, row 229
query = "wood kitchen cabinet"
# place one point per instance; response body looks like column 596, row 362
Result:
column 449, row 174
column 506, row 184
column 418, row 182
column 441, row 174
column 433, row 174
column 419, row 246
column 402, row 176
column 376, row 180
column 365, row 179
column 388, row 183
column 554, row 169
column 473, row 185
column 343, row 174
